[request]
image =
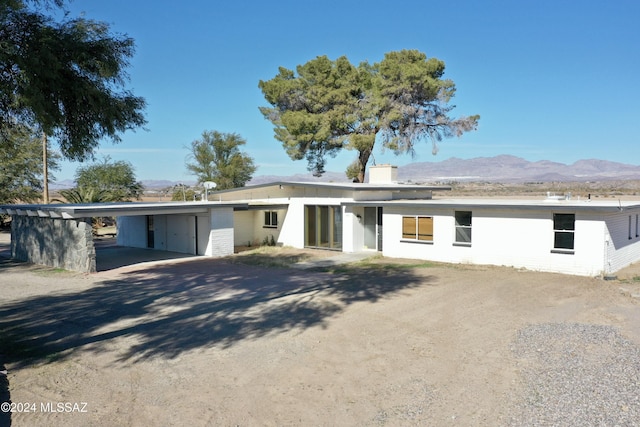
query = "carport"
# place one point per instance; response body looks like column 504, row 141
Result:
column 60, row 235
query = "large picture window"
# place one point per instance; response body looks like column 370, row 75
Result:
column 463, row 227
column 564, row 226
column 418, row 228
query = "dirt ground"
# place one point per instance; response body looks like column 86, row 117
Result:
column 224, row 342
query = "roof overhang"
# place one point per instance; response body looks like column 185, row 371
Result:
column 529, row 205
column 71, row 211
column 338, row 186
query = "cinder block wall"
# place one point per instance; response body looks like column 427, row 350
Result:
column 61, row 243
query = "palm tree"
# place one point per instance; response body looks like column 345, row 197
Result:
column 83, row 195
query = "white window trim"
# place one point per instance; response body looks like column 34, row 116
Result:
column 455, row 231
column 271, row 225
column 555, row 250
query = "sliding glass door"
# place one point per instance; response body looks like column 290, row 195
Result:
column 323, row 227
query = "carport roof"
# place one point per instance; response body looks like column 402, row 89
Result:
column 71, row 211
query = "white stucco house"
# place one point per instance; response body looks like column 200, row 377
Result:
column 554, row 234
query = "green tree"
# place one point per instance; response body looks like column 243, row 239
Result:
column 182, row 193
column 21, row 166
column 326, row 106
column 217, row 157
column 115, row 181
column 66, row 78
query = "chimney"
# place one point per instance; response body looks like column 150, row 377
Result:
column 383, row 174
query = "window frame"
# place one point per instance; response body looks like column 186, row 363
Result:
column 558, row 232
column 269, row 217
column 416, row 234
column 458, row 226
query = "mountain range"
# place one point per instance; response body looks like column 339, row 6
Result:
column 506, row 168
column 503, row 168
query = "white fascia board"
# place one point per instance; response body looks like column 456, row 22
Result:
column 504, row 204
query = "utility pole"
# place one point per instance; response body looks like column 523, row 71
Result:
column 45, row 171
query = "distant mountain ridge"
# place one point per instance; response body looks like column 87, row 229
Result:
column 504, row 168
column 507, row 168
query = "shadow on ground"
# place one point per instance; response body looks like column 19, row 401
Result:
column 109, row 256
column 164, row 310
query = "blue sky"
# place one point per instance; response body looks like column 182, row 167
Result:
column 551, row 79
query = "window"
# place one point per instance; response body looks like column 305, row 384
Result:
column 271, row 219
column 463, row 227
column 630, row 228
column 417, row 228
column 637, row 235
column 564, row 226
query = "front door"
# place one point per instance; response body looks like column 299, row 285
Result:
column 373, row 228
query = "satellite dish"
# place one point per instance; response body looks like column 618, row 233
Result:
column 209, row 185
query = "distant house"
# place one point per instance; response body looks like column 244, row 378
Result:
column 555, row 234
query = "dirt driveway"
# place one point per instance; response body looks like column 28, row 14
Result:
column 218, row 342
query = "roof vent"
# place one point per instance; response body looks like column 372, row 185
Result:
column 553, row 196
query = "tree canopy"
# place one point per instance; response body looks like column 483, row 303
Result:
column 326, row 106
column 66, row 78
column 107, row 181
column 216, row 157
column 21, row 165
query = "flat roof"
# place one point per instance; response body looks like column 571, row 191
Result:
column 88, row 210
column 528, row 204
column 339, row 185
column 70, row 211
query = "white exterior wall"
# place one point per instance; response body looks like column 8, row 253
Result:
column 132, row 231
column 261, row 232
column 181, row 235
column 352, row 231
column 516, row 238
column 221, row 234
column 292, row 228
column 622, row 243
column 160, row 232
column 243, row 228
column 177, row 233
column 250, row 229
column 204, row 229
